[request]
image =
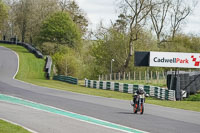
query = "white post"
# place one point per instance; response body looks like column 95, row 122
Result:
column 111, row 66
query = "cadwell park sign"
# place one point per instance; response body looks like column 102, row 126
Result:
column 167, row 59
column 172, row 59
column 184, row 83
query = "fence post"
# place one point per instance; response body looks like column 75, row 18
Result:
column 99, row 77
column 124, row 76
column 129, row 76
column 110, row 77
column 140, row 76
column 145, row 76
column 119, row 76
column 151, row 77
column 134, row 75
column 158, row 77
column 114, row 76
column 163, row 73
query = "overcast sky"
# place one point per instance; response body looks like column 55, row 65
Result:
column 105, row 10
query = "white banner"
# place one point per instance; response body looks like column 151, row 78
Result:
column 172, row 59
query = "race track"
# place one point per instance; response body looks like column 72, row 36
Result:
column 156, row 119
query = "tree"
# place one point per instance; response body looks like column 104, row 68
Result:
column 22, row 16
column 121, row 23
column 180, row 11
column 158, row 14
column 136, row 12
column 67, row 62
column 3, row 14
column 112, row 44
column 26, row 16
column 40, row 9
column 59, row 28
column 77, row 15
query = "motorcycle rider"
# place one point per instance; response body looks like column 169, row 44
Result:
column 140, row 91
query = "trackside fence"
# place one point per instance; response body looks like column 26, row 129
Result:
column 67, row 79
column 153, row 91
column 48, row 66
column 29, row 47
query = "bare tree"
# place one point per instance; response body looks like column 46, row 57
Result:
column 22, row 13
column 40, row 9
column 28, row 16
column 180, row 11
column 158, row 16
column 136, row 11
column 63, row 4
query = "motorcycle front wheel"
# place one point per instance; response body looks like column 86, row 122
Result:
column 142, row 109
column 135, row 108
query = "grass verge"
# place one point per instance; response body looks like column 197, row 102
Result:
column 31, row 70
column 6, row 127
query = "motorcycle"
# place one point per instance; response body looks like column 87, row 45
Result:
column 138, row 105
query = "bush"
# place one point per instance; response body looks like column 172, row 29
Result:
column 49, row 48
column 195, row 97
column 66, row 62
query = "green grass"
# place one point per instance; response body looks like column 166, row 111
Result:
column 195, row 97
column 186, row 105
column 6, row 127
column 161, row 83
column 31, row 70
column 30, row 66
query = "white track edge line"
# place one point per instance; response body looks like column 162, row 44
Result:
column 30, row 130
column 72, row 113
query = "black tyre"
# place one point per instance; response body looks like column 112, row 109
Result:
column 135, row 108
column 142, row 109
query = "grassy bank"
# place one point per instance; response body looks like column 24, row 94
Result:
column 30, row 67
column 6, row 127
column 31, row 70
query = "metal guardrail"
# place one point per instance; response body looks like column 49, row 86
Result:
column 153, row 91
column 30, row 48
column 36, row 52
column 48, row 66
column 67, row 79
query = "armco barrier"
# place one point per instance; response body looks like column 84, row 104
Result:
column 153, row 91
column 48, row 66
column 30, row 48
column 70, row 80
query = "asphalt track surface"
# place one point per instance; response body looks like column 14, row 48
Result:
column 156, row 119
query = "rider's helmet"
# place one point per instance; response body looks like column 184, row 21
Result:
column 141, row 90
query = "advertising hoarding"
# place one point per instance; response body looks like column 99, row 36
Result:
column 174, row 59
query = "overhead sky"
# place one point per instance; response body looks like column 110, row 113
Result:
column 106, row 11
